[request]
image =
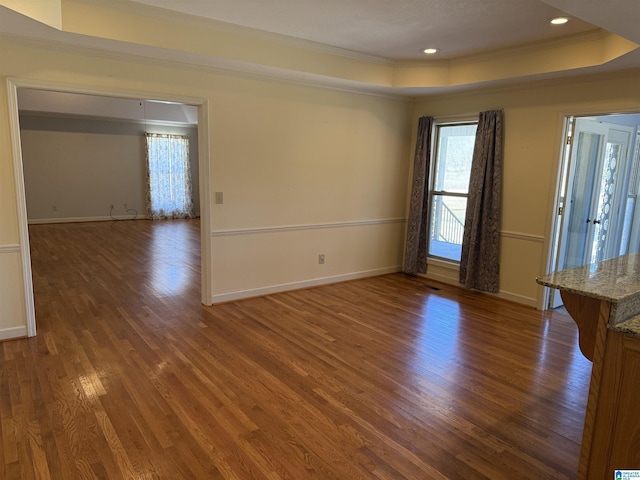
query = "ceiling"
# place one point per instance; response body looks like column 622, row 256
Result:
column 397, row 29
column 391, row 33
column 57, row 104
column 402, row 29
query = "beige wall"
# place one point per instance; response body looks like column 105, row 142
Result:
column 303, row 170
column 307, row 171
column 533, row 133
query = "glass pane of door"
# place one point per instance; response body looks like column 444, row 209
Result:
column 597, row 214
column 602, row 223
column 594, row 223
column 579, row 228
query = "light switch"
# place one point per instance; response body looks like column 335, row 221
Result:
column 219, row 198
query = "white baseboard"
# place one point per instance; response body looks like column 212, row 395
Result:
column 513, row 297
column 517, row 298
column 12, row 333
column 258, row 292
column 36, row 221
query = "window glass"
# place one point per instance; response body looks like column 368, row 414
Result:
column 453, row 163
column 447, row 226
column 449, row 188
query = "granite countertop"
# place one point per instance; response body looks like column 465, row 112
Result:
column 616, row 280
column 631, row 326
column 612, row 280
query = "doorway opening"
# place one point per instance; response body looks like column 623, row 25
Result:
column 597, row 215
column 108, row 101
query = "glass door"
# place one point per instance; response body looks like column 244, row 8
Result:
column 593, row 197
column 587, row 149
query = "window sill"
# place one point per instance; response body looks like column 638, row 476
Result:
column 443, row 263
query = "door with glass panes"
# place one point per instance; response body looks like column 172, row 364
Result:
column 593, row 207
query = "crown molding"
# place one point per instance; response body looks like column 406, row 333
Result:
column 531, row 82
column 512, row 51
column 127, row 52
column 254, row 33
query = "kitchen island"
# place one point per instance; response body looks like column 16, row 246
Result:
column 604, row 300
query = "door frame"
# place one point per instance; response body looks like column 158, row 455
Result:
column 608, row 133
column 204, row 178
column 555, row 220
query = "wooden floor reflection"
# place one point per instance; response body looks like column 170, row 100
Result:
column 130, row 377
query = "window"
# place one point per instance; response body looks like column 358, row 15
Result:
column 449, row 187
column 169, row 170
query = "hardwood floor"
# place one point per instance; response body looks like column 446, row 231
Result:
column 383, row 378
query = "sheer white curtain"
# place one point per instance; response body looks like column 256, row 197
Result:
column 169, row 192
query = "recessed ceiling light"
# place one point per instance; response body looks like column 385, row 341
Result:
column 559, row 20
column 430, row 51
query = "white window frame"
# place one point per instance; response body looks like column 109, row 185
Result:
column 432, row 193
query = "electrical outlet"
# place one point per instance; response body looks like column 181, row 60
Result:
column 125, row 206
column 54, row 208
column 321, row 259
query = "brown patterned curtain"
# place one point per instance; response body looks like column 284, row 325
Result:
column 479, row 264
column 415, row 257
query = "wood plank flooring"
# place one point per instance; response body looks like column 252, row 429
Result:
column 383, row 378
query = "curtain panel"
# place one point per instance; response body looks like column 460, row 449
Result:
column 415, row 257
column 479, row 263
column 169, row 187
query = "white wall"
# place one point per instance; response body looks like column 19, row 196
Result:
column 75, row 168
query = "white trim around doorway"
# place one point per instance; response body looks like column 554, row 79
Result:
column 204, row 178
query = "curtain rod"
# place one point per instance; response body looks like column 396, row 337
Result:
column 460, row 116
